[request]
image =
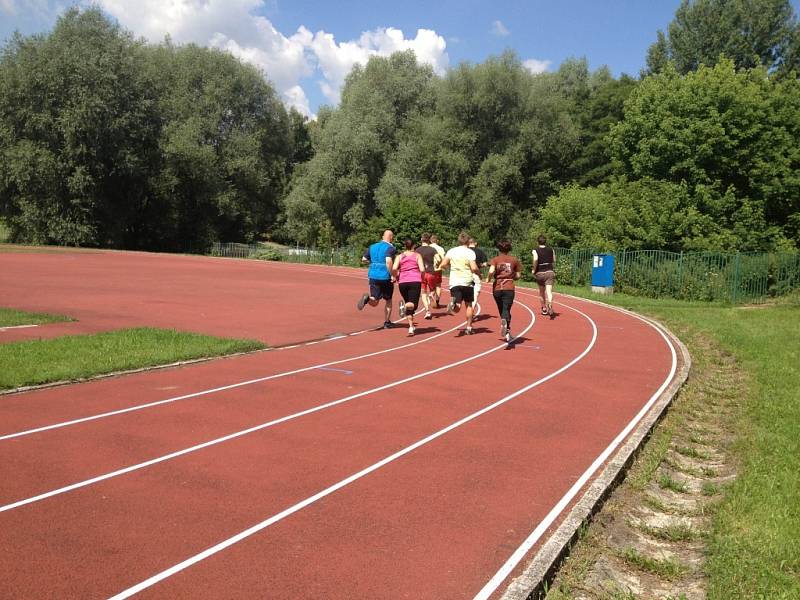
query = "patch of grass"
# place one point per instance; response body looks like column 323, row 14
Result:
column 10, row 317
column 678, row 532
column 682, row 468
column 76, row 357
column 754, row 546
column 668, row 569
column 709, row 489
column 691, row 452
column 667, row 482
column 651, row 456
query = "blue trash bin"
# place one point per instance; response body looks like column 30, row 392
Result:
column 603, row 273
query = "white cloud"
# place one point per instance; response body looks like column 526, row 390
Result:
column 236, row 26
column 536, row 66
column 336, row 60
column 499, row 29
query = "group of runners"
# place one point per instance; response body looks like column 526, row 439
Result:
column 417, row 269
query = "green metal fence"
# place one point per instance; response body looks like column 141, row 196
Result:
column 338, row 256
column 734, row 278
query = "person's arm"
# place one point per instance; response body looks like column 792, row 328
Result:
column 365, row 257
column 535, row 261
column 393, row 270
column 420, row 263
column 475, row 268
column 490, row 274
column 445, row 262
column 390, row 258
column 517, row 270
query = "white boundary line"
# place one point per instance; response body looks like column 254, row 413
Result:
column 121, row 411
column 17, row 327
column 345, row 482
column 243, row 432
column 504, row 571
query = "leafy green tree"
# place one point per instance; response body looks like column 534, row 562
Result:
column 79, row 134
column 226, row 147
column 749, row 32
column 353, row 144
column 734, row 136
column 406, row 218
column 623, row 215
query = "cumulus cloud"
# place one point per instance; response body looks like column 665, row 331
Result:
column 336, row 60
column 536, row 66
column 499, row 29
column 237, row 27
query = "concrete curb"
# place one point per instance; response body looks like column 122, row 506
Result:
column 543, row 565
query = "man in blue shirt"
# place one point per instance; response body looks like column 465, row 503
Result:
column 380, row 257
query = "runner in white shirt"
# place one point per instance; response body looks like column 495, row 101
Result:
column 440, row 253
column 461, row 261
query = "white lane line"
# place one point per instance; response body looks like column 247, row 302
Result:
column 504, row 571
column 243, row 432
column 17, row 327
column 219, row 389
column 356, row 476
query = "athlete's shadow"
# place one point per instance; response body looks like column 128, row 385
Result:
column 475, row 330
column 523, row 342
column 426, row 329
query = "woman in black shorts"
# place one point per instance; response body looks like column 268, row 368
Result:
column 544, row 264
column 408, row 268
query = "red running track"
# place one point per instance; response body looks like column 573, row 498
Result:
column 413, row 472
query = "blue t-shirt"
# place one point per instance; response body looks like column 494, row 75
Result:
column 377, row 254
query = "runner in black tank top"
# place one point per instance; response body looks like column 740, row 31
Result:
column 544, row 263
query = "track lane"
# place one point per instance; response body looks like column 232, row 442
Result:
column 188, row 516
column 434, row 524
column 56, row 461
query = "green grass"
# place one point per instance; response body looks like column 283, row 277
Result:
column 665, row 568
column 10, row 317
column 754, row 545
column 80, row 356
column 678, row 532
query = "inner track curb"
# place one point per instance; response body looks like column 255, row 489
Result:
column 543, row 565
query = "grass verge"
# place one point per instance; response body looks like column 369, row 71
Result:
column 10, row 317
column 77, row 357
column 753, row 548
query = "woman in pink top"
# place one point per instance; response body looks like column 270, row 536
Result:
column 408, row 268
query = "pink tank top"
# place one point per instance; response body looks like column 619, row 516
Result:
column 409, row 269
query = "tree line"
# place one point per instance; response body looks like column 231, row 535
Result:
column 108, row 141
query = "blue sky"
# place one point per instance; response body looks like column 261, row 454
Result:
column 306, row 48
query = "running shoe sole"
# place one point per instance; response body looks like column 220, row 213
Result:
column 362, row 301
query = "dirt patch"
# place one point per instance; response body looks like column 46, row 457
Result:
column 649, row 539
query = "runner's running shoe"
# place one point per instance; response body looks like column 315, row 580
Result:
column 388, row 324
column 362, row 301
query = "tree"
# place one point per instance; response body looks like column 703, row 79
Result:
column 226, row 148
column 732, row 137
column 627, row 215
column 749, row 32
column 353, row 144
column 406, row 218
column 79, row 133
